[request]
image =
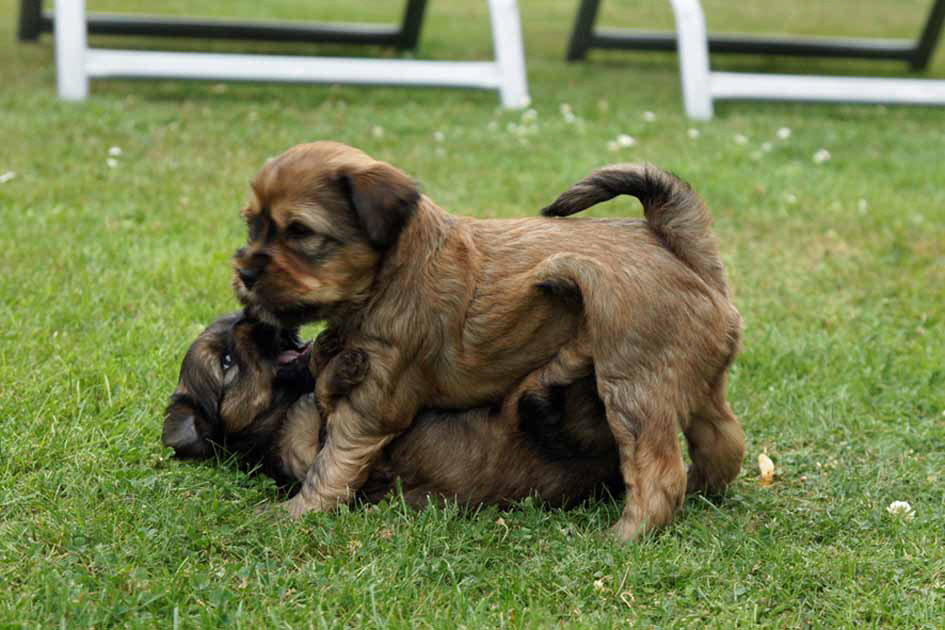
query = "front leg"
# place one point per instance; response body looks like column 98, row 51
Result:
column 359, row 427
column 327, row 345
column 346, row 371
column 299, row 439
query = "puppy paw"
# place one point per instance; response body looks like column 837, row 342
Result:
column 325, row 347
column 701, row 482
column 353, row 365
column 695, row 481
column 626, row 530
column 298, row 506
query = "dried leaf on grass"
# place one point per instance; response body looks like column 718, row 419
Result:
column 766, row 468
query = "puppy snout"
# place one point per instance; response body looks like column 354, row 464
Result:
column 250, row 270
column 248, row 276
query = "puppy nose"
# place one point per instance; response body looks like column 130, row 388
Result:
column 248, row 276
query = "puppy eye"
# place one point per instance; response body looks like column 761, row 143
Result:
column 226, row 362
column 298, row 231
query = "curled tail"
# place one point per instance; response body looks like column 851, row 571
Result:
column 672, row 209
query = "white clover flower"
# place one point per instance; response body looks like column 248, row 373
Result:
column 791, row 198
column 7, row 176
column 741, row 138
column 377, row 132
column 766, row 147
column 821, row 156
column 784, row 133
column 565, row 109
column 569, row 118
column 625, row 140
column 902, row 509
column 529, row 115
column 114, row 151
column 439, row 136
column 111, row 162
column 693, row 134
column 862, row 206
column 649, row 116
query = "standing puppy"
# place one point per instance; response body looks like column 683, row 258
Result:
column 455, row 312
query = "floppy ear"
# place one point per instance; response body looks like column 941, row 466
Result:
column 182, row 432
column 384, row 199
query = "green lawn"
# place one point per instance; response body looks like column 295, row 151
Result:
column 109, row 272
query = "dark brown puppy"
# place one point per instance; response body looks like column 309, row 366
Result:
column 242, row 386
column 237, row 382
column 454, row 312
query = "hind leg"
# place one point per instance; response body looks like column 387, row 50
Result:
column 644, row 428
column 716, row 445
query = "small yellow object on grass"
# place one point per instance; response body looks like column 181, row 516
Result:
column 766, row 467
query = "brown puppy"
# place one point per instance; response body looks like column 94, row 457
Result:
column 242, row 385
column 455, row 312
column 237, row 382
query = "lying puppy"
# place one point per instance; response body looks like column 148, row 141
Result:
column 454, row 312
column 243, row 386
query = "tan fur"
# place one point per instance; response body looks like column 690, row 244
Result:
column 454, row 311
column 298, row 441
column 478, row 456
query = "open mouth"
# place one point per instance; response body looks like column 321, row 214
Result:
column 299, row 353
column 291, row 364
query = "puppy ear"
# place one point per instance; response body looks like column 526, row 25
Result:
column 384, row 199
column 182, row 432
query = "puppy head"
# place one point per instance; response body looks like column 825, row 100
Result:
column 320, row 218
column 236, row 383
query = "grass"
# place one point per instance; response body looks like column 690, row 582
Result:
column 110, row 272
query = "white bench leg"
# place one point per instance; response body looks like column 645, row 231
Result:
column 509, row 53
column 72, row 81
column 693, row 58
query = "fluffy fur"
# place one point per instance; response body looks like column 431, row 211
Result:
column 456, row 312
column 559, row 450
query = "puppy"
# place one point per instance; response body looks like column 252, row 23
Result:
column 238, row 381
column 243, row 386
column 454, row 312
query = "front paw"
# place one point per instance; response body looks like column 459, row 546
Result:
column 352, row 368
column 325, row 347
column 298, row 506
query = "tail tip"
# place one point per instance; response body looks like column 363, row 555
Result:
column 552, row 210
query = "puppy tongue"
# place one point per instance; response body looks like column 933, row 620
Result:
column 287, row 357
